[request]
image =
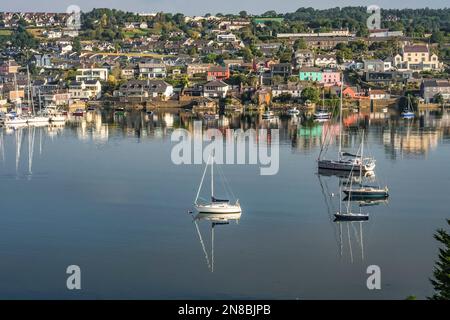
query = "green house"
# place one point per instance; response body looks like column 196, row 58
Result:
column 311, row 74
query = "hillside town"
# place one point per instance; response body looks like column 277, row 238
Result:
column 270, row 60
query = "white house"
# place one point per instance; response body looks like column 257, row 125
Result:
column 85, row 90
column 92, row 74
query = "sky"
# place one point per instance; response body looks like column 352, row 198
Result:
column 200, row 7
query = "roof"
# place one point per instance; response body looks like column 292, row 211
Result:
column 310, row 69
column 436, row 83
column 149, row 85
column 216, row 83
column 378, row 92
column 415, row 48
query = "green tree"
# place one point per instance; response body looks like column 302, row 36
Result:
column 243, row 14
column 437, row 37
column 441, row 273
column 438, row 98
column 300, row 44
column 310, row 93
column 76, row 45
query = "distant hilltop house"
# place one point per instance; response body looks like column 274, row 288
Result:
column 226, row 37
column 418, row 58
column 332, row 33
column 384, row 33
column 430, row 88
column 262, row 21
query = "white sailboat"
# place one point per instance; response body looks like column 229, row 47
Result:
column 215, row 205
column 345, row 161
column 322, row 114
column 14, row 119
column 34, row 119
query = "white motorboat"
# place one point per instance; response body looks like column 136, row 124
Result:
column 215, row 205
column 14, row 121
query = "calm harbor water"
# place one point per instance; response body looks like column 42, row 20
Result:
column 102, row 193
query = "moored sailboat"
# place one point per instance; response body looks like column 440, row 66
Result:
column 215, row 205
column 345, row 161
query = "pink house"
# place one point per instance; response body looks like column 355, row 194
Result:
column 330, row 78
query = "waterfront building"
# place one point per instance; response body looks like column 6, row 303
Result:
column 142, row 89
column 430, row 88
column 215, row 89
column 85, row 89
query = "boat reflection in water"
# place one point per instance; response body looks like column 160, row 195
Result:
column 215, row 220
column 355, row 228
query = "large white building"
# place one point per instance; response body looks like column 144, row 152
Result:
column 417, row 57
column 92, row 74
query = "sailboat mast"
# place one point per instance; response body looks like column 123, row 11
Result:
column 340, row 116
column 362, row 157
column 29, row 91
column 212, row 177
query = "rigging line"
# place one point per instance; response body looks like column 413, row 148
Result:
column 226, row 184
column 201, row 182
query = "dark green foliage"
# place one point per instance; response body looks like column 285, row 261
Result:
column 441, row 273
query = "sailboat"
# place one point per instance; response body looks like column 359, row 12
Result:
column 365, row 191
column 216, row 205
column 408, row 112
column 33, row 118
column 346, row 161
column 348, row 215
column 322, row 114
column 13, row 119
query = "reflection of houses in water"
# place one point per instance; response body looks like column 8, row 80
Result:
column 411, row 141
column 92, row 127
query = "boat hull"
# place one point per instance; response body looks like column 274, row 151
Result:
column 344, row 166
column 366, row 194
column 218, row 208
column 351, row 217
